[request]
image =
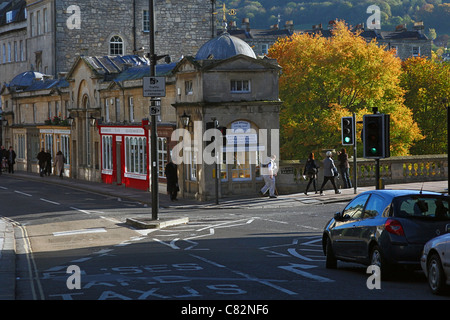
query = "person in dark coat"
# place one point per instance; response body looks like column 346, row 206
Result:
column 344, row 167
column 172, row 180
column 41, row 159
column 310, row 172
column 48, row 163
column 11, row 159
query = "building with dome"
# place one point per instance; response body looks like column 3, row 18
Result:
column 225, row 85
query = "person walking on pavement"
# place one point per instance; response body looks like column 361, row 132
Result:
column 269, row 171
column 3, row 156
column 11, row 159
column 329, row 172
column 59, row 164
column 48, row 163
column 344, row 168
column 172, row 180
column 41, row 159
column 310, row 171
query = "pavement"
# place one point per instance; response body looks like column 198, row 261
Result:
column 7, row 238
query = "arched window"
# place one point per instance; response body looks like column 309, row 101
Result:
column 116, row 46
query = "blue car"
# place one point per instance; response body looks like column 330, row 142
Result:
column 386, row 228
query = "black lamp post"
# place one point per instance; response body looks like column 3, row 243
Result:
column 445, row 104
column 153, row 137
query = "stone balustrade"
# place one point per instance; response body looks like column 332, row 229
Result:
column 392, row 170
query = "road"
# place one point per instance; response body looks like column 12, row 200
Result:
column 76, row 246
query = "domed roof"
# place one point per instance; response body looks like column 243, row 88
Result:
column 223, row 47
column 26, row 79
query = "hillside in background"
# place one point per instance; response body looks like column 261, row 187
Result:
column 435, row 14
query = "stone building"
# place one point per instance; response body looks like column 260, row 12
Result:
column 48, row 35
column 227, row 83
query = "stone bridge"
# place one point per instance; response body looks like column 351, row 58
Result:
column 392, row 170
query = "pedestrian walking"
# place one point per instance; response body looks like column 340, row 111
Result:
column 48, row 163
column 344, row 168
column 41, row 160
column 59, row 164
column 172, row 180
column 11, row 159
column 310, row 172
column 3, row 161
column 269, row 172
column 329, row 172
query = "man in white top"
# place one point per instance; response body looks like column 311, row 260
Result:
column 269, row 171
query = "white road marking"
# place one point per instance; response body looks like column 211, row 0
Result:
column 23, row 193
column 49, row 201
column 82, row 231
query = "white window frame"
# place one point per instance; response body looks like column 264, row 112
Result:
column 136, row 157
column 162, row 157
column 65, row 147
column 107, row 156
column 116, row 46
column 145, row 21
column 240, row 86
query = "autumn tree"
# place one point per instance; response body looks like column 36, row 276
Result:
column 326, row 78
column 427, row 85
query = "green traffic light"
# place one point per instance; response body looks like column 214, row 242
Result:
column 373, row 150
column 347, row 139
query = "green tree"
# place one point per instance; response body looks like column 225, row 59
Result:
column 426, row 84
column 324, row 79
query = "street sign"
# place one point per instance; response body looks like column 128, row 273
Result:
column 154, row 86
column 155, row 110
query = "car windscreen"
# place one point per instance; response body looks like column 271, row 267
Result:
column 422, row 206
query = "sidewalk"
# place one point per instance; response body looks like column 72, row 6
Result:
column 236, row 202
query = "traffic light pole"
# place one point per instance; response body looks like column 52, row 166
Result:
column 354, row 156
column 377, row 161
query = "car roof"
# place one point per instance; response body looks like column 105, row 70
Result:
column 391, row 193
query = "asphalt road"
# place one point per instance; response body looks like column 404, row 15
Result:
column 76, row 246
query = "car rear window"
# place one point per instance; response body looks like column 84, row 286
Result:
column 427, row 207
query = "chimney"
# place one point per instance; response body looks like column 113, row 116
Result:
column 289, row 25
column 418, row 26
column 245, row 24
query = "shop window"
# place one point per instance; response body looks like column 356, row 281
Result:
column 107, row 154
column 136, row 155
column 65, row 147
column 162, row 157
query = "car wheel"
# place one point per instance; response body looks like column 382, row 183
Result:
column 331, row 261
column 376, row 258
column 435, row 274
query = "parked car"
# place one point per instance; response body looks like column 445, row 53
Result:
column 385, row 228
column 435, row 263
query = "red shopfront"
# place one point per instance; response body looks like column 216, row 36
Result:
column 125, row 153
column 125, row 156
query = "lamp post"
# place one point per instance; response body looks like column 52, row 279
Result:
column 153, row 137
column 445, row 104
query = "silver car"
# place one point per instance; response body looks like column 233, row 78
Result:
column 435, row 262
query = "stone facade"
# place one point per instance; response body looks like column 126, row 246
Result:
column 181, row 28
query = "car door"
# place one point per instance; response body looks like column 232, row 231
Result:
column 343, row 233
column 365, row 228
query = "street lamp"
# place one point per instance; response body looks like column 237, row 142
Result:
column 185, row 119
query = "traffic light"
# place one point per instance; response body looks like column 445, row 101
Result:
column 376, row 136
column 348, row 131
